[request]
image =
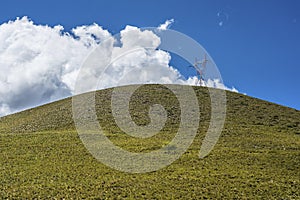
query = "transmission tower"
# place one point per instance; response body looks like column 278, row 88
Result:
column 200, row 67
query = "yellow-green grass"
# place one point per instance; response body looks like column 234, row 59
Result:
column 257, row 156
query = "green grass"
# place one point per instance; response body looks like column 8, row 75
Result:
column 257, row 156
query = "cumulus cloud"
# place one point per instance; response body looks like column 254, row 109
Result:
column 143, row 63
column 166, row 25
column 40, row 64
column 212, row 83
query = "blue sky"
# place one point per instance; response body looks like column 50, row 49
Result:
column 255, row 44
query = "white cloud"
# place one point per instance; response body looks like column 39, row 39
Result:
column 212, row 83
column 40, row 64
column 91, row 35
column 216, row 83
column 166, row 25
column 223, row 18
column 4, row 109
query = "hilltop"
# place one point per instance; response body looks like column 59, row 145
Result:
column 257, row 155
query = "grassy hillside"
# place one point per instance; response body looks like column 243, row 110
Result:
column 257, row 156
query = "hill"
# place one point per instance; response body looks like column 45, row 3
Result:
column 257, row 155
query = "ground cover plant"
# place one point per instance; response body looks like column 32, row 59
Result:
column 256, row 157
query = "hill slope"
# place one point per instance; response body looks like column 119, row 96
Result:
column 257, row 156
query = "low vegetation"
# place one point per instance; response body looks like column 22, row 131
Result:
column 257, row 156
